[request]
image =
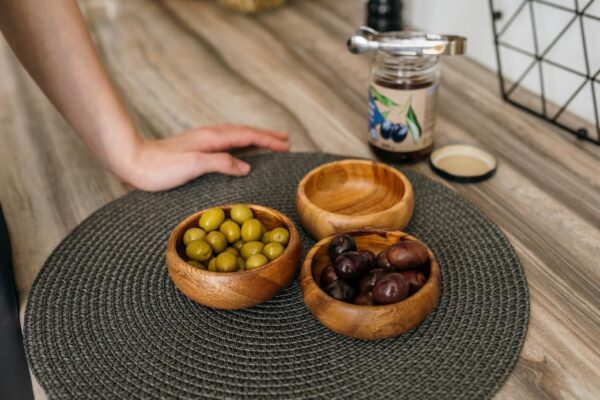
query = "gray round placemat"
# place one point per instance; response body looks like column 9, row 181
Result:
column 104, row 319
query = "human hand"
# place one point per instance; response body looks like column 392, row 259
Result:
column 167, row 163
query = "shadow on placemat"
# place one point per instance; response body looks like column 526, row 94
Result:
column 104, row 318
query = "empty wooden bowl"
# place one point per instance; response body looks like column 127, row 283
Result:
column 234, row 290
column 353, row 194
column 367, row 322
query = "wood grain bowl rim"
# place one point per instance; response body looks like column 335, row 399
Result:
column 313, row 207
column 307, row 271
column 179, row 228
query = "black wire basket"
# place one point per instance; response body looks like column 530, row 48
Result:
column 518, row 27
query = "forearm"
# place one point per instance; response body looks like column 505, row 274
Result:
column 51, row 40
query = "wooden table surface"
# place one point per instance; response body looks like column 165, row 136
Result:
column 181, row 64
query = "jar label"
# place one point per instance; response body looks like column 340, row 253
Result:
column 402, row 120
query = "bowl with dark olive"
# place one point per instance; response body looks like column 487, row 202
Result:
column 233, row 256
column 349, row 195
column 370, row 284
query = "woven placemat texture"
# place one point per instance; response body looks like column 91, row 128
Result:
column 104, row 319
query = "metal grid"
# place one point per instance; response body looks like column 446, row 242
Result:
column 580, row 12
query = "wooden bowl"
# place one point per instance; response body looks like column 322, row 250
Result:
column 353, row 194
column 234, row 290
column 367, row 322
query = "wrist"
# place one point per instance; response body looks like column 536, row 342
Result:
column 125, row 160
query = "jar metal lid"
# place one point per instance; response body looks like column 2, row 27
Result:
column 463, row 163
column 366, row 39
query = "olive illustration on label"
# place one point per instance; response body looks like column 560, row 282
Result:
column 399, row 133
column 396, row 132
column 389, row 130
column 386, row 129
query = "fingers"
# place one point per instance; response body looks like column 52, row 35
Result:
column 230, row 137
column 223, row 163
column 230, row 127
column 244, row 137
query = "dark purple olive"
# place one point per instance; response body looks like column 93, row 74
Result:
column 391, row 288
column 407, row 254
column 415, row 279
column 351, row 266
column 371, row 257
column 366, row 284
column 340, row 244
column 382, row 261
column 328, row 276
column 364, row 299
column 341, row 290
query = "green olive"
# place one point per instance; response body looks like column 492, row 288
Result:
column 198, row 250
column 233, row 251
column 280, row 235
column 252, row 230
column 273, row 250
column 238, row 245
column 251, row 248
column 196, row 264
column 255, row 261
column 241, row 264
column 241, row 213
column 231, row 230
column 212, row 264
column 266, row 237
column 193, row 234
column 211, row 219
column 226, row 262
column 217, row 241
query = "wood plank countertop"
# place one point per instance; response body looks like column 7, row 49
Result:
column 181, row 64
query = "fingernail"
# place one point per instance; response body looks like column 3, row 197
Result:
column 245, row 167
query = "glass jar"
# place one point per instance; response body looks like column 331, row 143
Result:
column 402, row 104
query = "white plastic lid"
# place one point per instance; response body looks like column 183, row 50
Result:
column 463, row 163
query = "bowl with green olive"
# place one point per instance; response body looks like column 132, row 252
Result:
column 370, row 284
column 233, row 256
